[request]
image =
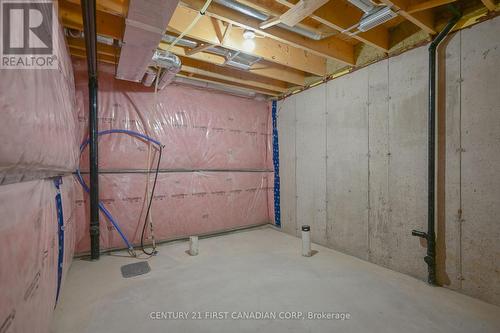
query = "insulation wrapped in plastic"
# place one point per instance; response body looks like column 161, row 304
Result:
column 39, row 123
column 39, row 132
column 216, row 167
column 184, row 204
column 200, row 129
column 29, row 255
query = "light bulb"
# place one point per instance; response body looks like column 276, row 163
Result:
column 249, row 45
column 249, row 34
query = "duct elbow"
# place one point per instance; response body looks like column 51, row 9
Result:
column 169, row 65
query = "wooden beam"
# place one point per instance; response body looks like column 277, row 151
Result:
column 490, row 4
column 275, row 9
column 200, row 48
column 189, row 71
column 100, row 57
column 469, row 17
column 424, row 20
column 115, row 7
column 270, row 22
column 203, row 78
column 76, row 52
column 331, row 47
column 227, row 32
column 427, row 5
column 340, row 15
column 300, row 11
column 266, row 48
column 262, row 68
column 103, row 49
column 108, row 25
column 234, row 75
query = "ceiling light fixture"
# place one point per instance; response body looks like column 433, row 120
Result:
column 249, row 42
column 248, row 45
column 248, row 34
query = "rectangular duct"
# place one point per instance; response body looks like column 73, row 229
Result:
column 145, row 25
column 376, row 17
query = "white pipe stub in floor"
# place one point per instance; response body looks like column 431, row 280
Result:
column 306, row 241
column 193, row 245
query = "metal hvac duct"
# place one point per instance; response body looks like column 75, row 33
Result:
column 181, row 42
column 249, row 11
column 374, row 15
column 149, row 77
column 169, row 64
column 236, row 59
column 218, row 87
column 365, row 5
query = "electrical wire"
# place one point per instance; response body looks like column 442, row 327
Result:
column 153, row 251
column 101, row 205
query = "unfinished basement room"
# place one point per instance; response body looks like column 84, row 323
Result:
column 250, row 166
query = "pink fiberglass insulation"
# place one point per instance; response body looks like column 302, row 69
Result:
column 29, row 255
column 186, row 203
column 221, row 143
column 39, row 125
column 39, row 138
column 201, row 129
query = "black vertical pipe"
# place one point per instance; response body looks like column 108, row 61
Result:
column 430, row 235
column 89, row 25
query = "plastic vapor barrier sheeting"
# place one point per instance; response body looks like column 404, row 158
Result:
column 216, row 167
column 39, row 140
column 39, row 134
column 29, row 255
column 187, row 203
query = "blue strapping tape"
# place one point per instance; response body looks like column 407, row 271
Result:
column 276, row 164
column 60, row 233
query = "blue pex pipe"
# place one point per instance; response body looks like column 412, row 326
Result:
column 60, row 235
column 102, row 208
column 276, row 164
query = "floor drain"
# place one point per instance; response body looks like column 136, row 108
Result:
column 135, row 269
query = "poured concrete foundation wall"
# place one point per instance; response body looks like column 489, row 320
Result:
column 353, row 159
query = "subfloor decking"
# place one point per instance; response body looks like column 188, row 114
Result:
column 259, row 272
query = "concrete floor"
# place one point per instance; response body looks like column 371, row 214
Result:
column 260, row 270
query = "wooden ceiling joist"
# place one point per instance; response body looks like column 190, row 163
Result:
column 230, row 74
column 270, row 22
column 200, row 48
column 331, row 47
column 262, row 68
column 490, row 4
column 103, row 49
column 427, row 5
column 100, row 56
column 265, row 48
column 108, row 54
column 339, row 15
column 108, row 25
column 287, row 59
column 202, row 78
column 115, row 7
column 423, row 19
column 300, row 11
column 227, row 32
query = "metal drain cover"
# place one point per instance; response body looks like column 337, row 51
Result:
column 135, row 269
